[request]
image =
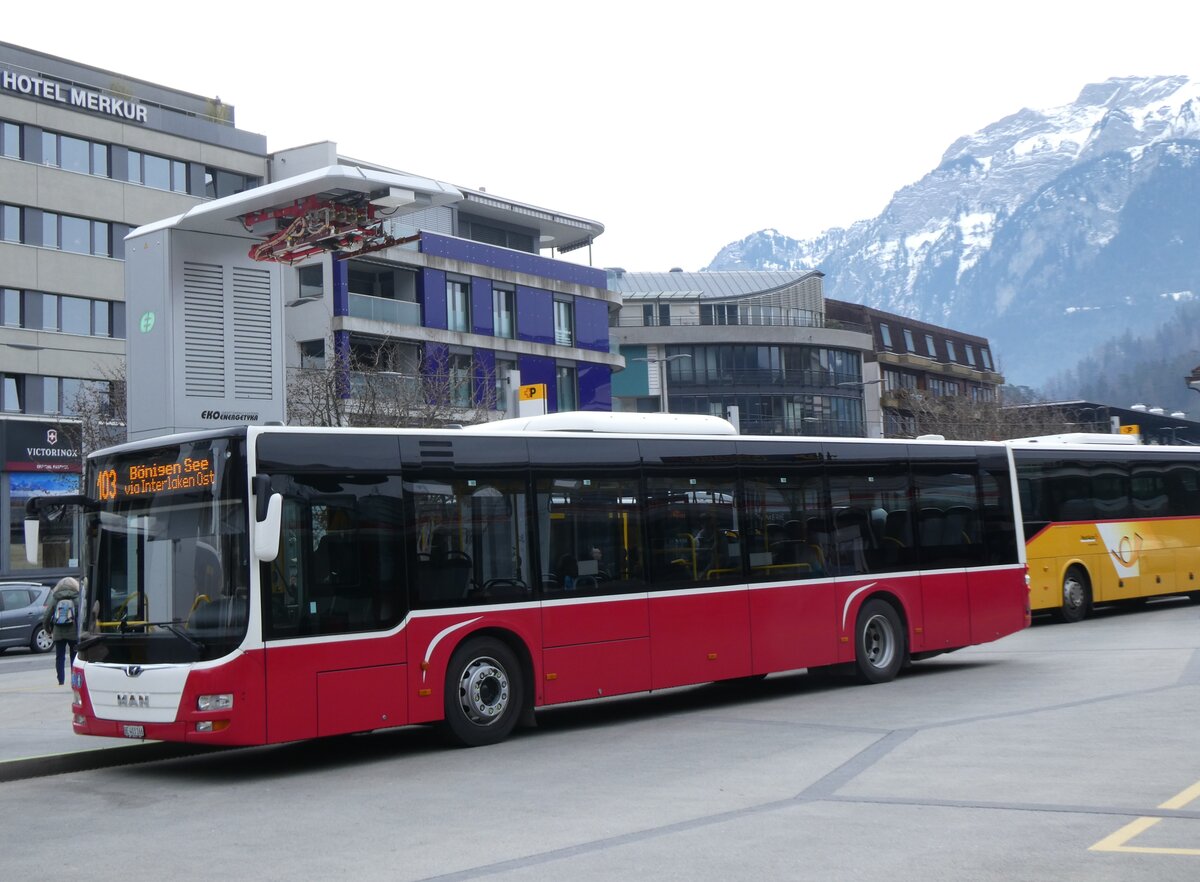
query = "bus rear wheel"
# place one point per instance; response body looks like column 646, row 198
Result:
column 879, row 644
column 484, row 692
column 1076, row 596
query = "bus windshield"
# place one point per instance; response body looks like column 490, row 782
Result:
column 167, row 561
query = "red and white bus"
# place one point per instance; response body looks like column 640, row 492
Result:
column 267, row 584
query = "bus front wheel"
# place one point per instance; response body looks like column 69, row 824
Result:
column 878, row 642
column 1076, row 596
column 484, row 692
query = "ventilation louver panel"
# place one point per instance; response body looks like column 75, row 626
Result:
column 251, row 333
column 203, row 331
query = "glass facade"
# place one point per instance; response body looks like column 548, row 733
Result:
column 778, row 389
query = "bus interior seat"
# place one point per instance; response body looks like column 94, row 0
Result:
column 897, row 528
column 931, row 525
column 959, row 526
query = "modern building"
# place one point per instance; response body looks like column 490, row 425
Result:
column 1151, row 425
column 468, row 293
column 914, row 360
column 86, row 155
column 760, row 342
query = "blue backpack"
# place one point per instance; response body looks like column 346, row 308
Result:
column 64, row 612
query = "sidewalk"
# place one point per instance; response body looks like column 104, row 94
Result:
column 35, row 727
column 35, row 713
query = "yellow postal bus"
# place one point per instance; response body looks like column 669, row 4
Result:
column 1107, row 521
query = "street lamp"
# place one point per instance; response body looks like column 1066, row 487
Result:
column 662, row 375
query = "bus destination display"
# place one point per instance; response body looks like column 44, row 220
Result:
column 145, row 478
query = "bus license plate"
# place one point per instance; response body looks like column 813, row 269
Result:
column 134, row 731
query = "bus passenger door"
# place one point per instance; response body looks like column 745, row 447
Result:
column 331, row 603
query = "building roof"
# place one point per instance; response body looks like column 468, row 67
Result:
column 678, row 285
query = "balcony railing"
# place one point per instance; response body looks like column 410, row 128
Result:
column 800, row 318
column 384, row 309
column 681, row 377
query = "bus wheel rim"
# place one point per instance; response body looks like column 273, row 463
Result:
column 1072, row 593
column 879, row 642
column 484, row 691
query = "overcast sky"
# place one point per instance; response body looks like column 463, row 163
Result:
column 680, row 126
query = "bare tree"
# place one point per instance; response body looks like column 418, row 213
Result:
column 101, row 408
column 962, row 418
column 359, row 389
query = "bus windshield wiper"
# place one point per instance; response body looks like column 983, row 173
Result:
column 179, row 632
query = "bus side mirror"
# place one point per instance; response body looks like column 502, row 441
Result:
column 266, row 531
column 268, row 519
column 32, row 534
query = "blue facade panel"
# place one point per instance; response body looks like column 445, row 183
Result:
column 595, row 386
column 341, row 287
column 432, row 294
column 535, row 316
column 591, row 324
column 481, row 305
column 535, row 369
column 517, row 261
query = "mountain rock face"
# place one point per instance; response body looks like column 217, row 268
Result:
column 1049, row 232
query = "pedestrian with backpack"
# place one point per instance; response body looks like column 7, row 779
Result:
column 61, row 621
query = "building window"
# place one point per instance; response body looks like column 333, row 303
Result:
column 970, row 350
column 719, row 314
column 939, row 387
column 75, row 234
column 158, row 172
column 504, row 322
column 564, row 380
column 312, row 354
column 930, row 346
column 908, row 341
column 894, row 381
column 950, row 353
column 10, row 140
column 564, row 323
column 311, row 281
column 656, row 314
column 75, row 154
column 987, row 358
column 12, row 393
column 11, row 306
column 42, row 311
column 458, row 306
column 886, row 335
column 460, row 380
column 219, row 183
column 75, row 315
column 505, row 369
column 10, row 223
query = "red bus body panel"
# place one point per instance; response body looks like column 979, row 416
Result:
column 581, row 649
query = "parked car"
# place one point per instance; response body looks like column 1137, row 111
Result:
column 22, row 605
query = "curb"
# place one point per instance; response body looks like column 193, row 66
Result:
column 98, row 758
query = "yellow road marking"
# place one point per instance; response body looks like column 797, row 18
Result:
column 1117, row 841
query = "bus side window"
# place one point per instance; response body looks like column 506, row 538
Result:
column 590, row 528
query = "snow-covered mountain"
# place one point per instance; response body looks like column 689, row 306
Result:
column 1048, row 231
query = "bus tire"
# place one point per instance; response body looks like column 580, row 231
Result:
column 879, row 642
column 1076, row 596
column 484, row 692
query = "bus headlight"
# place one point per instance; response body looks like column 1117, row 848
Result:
column 224, row 701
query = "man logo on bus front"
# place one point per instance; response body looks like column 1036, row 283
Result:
column 134, row 671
